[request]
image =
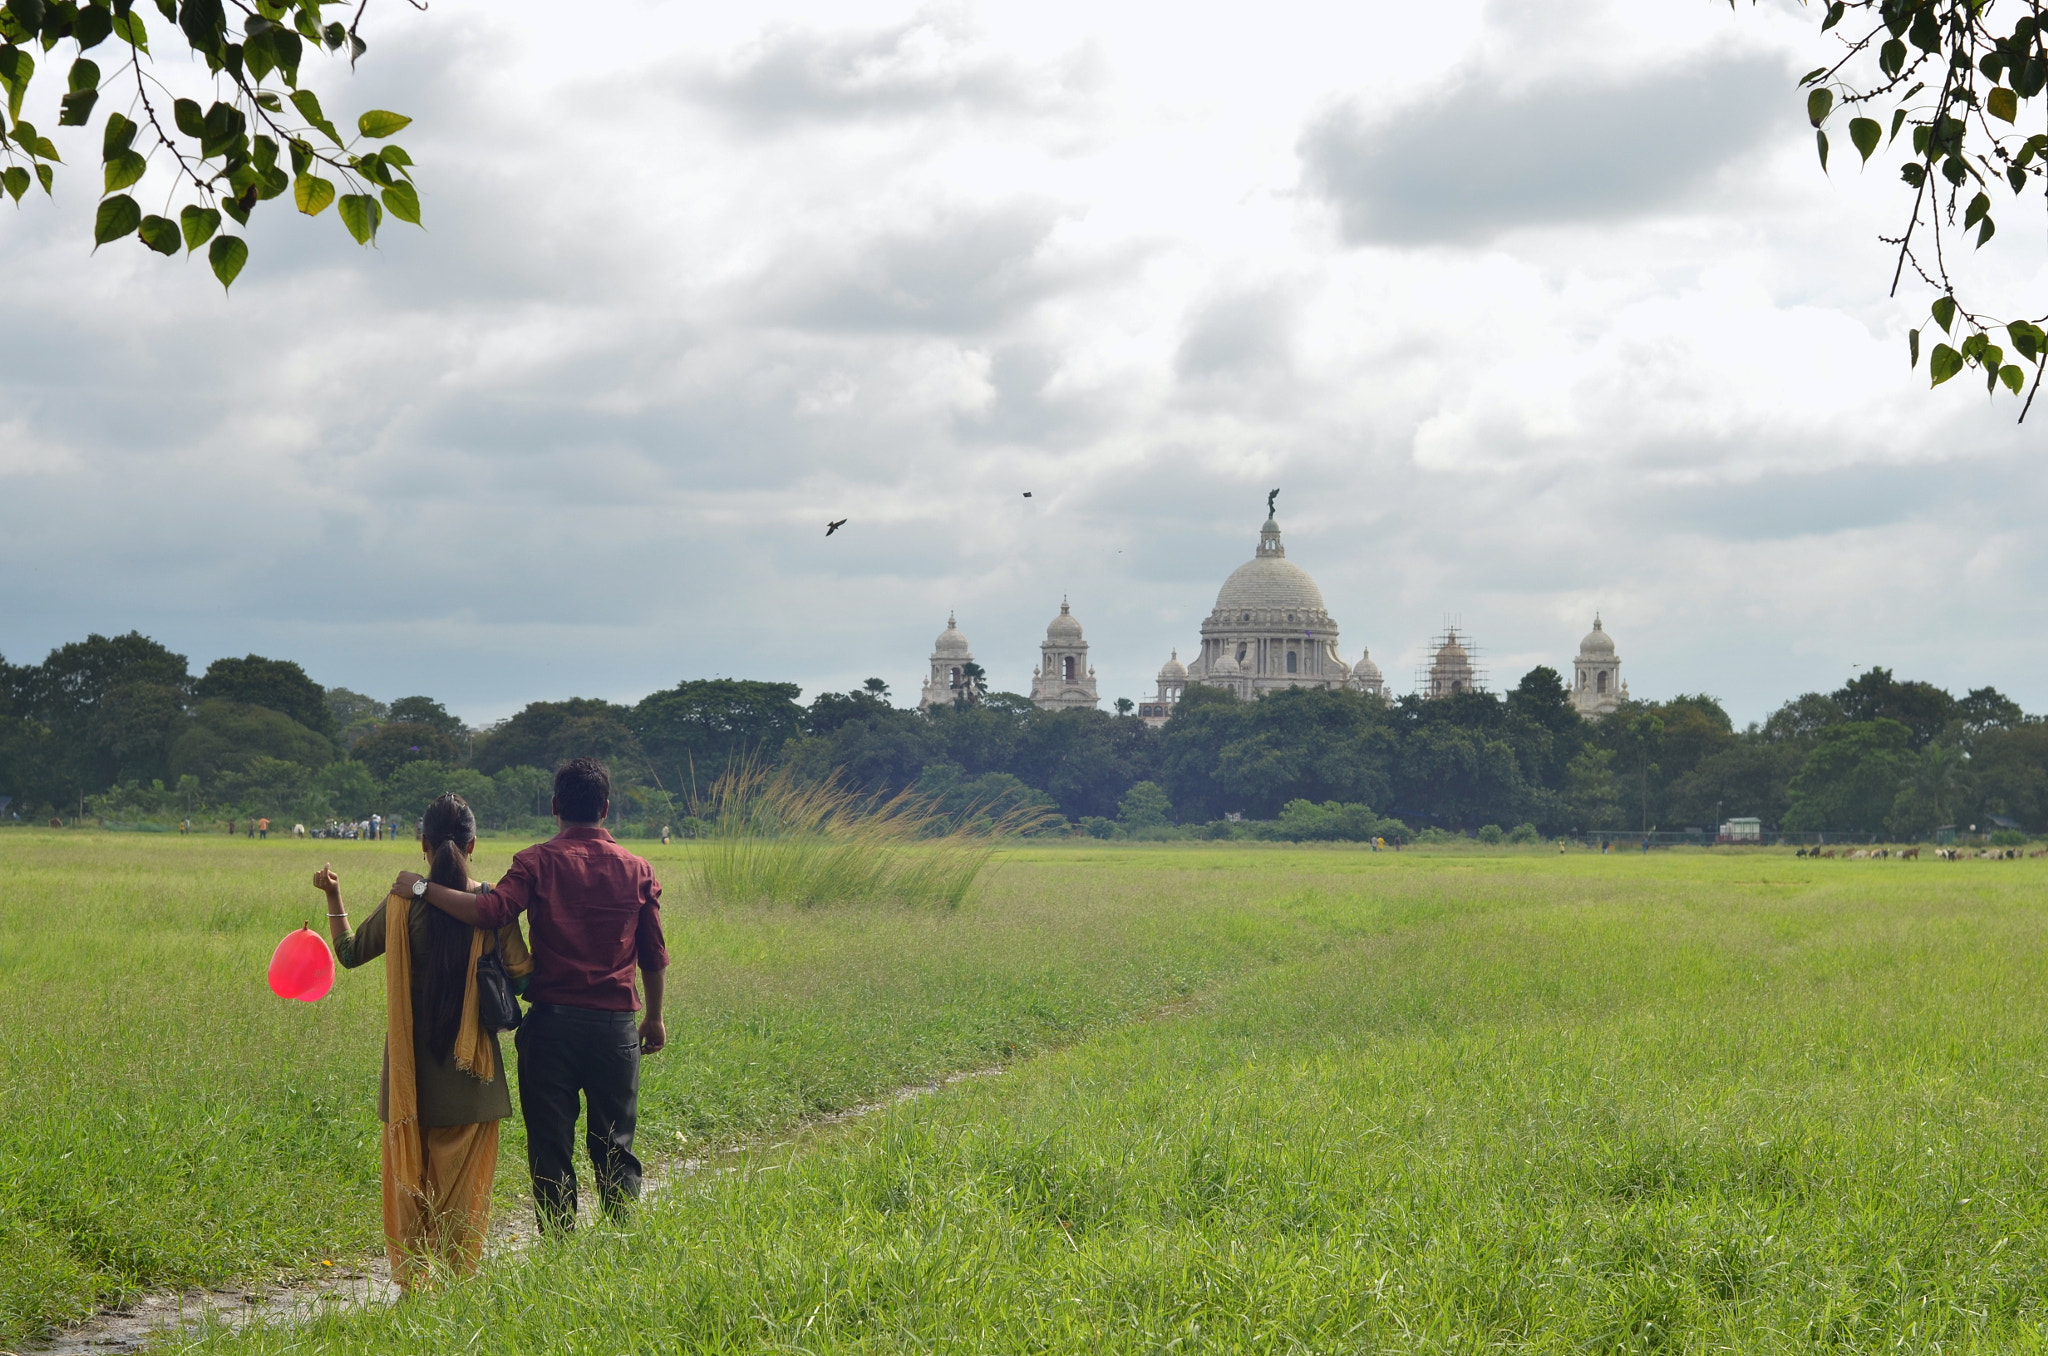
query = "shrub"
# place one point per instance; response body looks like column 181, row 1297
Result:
column 1525, row 833
column 1436, row 835
column 773, row 838
column 1333, row 822
column 1490, row 833
column 1095, row 826
column 1144, row 806
column 2008, row 838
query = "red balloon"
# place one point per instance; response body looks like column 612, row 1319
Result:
column 302, row 967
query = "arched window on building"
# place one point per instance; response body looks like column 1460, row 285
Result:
column 1600, row 681
column 956, row 675
column 1292, row 661
column 1067, row 668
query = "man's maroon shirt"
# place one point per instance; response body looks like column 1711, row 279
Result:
column 593, row 910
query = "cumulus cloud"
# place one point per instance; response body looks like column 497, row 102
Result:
column 1478, row 157
column 936, row 60
column 582, row 435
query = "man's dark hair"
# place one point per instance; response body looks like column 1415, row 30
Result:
column 582, row 786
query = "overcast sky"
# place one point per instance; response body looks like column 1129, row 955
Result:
column 1535, row 308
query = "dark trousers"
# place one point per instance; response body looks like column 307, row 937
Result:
column 566, row 1053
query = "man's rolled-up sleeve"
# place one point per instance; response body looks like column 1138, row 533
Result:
column 648, row 941
column 499, row 904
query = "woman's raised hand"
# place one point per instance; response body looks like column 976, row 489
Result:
column 326, row 881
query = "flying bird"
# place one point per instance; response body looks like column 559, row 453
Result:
column 830, row 528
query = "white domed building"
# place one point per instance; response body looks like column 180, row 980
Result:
column 1597, row 687
column 1366, row 676
column 1064, row 681
column 1269, row 628
column 1173, row 681
column 950, row 657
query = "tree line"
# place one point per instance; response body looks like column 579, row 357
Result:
column 119, row 729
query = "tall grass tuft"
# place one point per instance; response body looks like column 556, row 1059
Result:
column 779, row 839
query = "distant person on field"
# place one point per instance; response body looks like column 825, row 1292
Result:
column 263, row 829
column 595, row 911
column 375, row 822
column 443, row 1089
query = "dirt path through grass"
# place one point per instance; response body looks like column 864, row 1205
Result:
column 367, row 1281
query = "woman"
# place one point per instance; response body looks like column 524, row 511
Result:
column 443, row 1090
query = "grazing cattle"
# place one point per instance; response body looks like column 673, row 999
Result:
column 56, row 823
column 1911, row 854
column 1829, row 853
column 298, row 830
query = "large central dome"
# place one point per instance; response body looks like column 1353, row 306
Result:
column 1269, row 629
column 1268, row 582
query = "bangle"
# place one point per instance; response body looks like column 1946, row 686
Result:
column 342, row 914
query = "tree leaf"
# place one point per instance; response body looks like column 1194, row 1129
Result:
column 47, row 178
column 15, row 181
column 2003, row 104
column 204, row 23
column 159, row 233
column 1979, row 206
column 119, row 136
column 1821, row 138
column 404, row 202
column 308, row 104
column 199, row 224
column 123, row 170
column 1912, row 341
column 312, row 194
column 2028, row 339
column 1834, row 16
column 1891, row 58
column 1816, row 73
column 84, row 75
column 1985, row 232
column 302, row 156
column 1944, row 309
column 17, row 68
column 361, row 214
column 117, row 216
column 1898, row 121
column 1943, row 363
column 227, row 256
column 129, row 28
column 1866, row 133
column 1819, row 104
column 380, row 123
column 75, row 109
column 2013, row 378
column 91, row 27
column 185, row 112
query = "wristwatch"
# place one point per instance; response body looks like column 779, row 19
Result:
column 419, row 888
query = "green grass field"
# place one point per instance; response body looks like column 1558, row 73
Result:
column 1260, row 1099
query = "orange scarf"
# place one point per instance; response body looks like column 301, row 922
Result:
column 473, row 1054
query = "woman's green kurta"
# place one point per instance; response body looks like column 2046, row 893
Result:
column 447, row 1096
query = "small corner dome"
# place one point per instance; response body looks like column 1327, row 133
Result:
column 951, row 644
column 1365, row 668
column 1452, row 649
column 1173, row 668
column 1597, row 640
column 1064, row 627
column 1224, row 664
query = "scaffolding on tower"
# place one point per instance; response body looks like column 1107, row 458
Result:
column 1453, row 665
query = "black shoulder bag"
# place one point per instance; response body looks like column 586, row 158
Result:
column 497, row 1007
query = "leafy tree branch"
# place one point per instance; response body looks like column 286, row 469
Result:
column 224, row 158
column 1986, row 62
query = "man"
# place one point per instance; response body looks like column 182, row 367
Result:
column 594, row 911
column 263, row 828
